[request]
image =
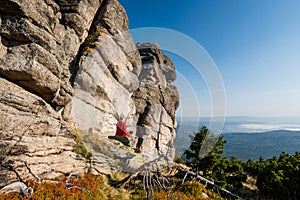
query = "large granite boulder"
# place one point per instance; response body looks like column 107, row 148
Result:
column 33, row 132
column 39, row 45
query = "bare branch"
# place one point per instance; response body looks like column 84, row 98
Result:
column 67, row 182
column 126, row 180
column 17, row 187
column 30, row 171
column 74, row 187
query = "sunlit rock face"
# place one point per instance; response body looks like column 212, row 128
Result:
column 148, row 100
column 72, row 66
column 39, row 44
column 156, row 101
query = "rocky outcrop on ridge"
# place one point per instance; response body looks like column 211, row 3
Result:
column 72, row 65
column 156, row 101
column 40, row 42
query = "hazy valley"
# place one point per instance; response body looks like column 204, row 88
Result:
column 247, row 137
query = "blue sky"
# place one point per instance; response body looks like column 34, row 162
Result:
column 254, row 43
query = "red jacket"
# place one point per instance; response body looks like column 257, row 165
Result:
column 121, row 129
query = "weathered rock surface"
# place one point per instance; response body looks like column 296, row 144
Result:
column 39, row 44
column 156, row 101
column 100, row 97
column 32, row 131
column 73, row 64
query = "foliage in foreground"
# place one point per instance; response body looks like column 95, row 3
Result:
column 224, row 172
column 276, row 178
column 92, row 187
column 190, row 190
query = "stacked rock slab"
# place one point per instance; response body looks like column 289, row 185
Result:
column 32, row 131
column 149, row 100
column 68, row 65
column 40, row 43
column 156, row 101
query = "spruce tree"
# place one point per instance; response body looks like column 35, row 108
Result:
column 222, row 171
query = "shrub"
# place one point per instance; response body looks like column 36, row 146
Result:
column 88, row 187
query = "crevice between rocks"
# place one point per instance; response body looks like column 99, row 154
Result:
column 74, row 64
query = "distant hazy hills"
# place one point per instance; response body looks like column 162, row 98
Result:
column 248, row 137
column 265, row 144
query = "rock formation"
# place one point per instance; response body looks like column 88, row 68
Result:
column 156, row 101
column 72, row 66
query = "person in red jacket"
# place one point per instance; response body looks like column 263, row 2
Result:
column 121, row 127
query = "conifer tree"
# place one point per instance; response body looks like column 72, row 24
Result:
column 222, row 171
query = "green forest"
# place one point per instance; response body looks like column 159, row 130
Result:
column 275, row 178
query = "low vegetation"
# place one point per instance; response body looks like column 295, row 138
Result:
column 84, row 188
column 276, row 178
column 80, row 146
column 90, row 42
column 90, row 187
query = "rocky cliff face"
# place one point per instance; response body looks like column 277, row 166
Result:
column 156, row 101
column 72, row 65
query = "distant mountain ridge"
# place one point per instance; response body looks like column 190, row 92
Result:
column 247, row 137
column 264, row 144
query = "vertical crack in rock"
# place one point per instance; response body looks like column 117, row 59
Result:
column 155, row 105
column 74, row 65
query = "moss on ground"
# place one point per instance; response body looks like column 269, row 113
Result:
column 81, row 148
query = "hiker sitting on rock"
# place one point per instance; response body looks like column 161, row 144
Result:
column 121, row 127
